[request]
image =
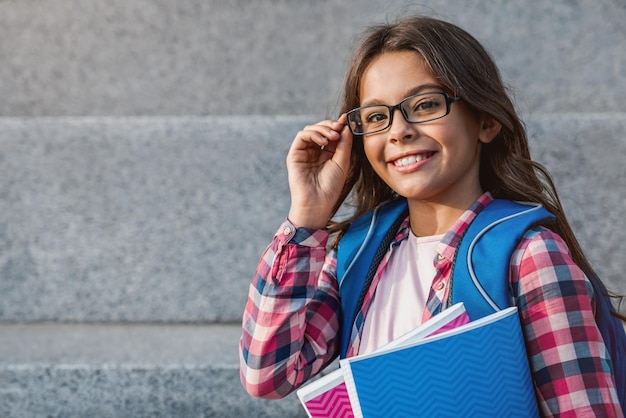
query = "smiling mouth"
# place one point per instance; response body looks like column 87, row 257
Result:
column 412, row 159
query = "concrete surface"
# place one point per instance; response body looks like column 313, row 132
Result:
column 108, row 370
column 164, row 219
column 272, row 57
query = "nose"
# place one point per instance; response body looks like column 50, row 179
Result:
column 400, row 130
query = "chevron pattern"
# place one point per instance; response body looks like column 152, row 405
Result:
column 482, row 372
column 331, row 404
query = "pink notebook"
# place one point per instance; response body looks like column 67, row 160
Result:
column 329, row 398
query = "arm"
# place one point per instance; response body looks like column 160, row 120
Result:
column 291, row 322
column 567, row 355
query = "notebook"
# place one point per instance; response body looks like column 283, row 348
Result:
column 477, row 369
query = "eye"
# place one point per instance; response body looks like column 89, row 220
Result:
column 426, row 105
column 374, row 115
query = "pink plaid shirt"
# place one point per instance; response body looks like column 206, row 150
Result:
column 291, row 320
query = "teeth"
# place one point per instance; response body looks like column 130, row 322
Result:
column 410, row 160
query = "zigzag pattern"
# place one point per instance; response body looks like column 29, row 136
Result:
column 331, row 404
column 479, row 373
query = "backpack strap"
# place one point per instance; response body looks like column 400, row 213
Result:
column 486, row 248
column 482, row 265
column 355, row 258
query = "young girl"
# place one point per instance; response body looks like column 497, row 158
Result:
column 425, row 118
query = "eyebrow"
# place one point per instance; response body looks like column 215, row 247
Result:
column 415, row 90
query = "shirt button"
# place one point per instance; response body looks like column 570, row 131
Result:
column 439, row 287
column 286, row 230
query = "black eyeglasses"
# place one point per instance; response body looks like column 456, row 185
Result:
column 420, row 108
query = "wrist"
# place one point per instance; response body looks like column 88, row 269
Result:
column 307, row 219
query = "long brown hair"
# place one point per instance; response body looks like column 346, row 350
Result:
column 462, row 66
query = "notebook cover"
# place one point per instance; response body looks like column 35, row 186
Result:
column 478, row 369
column 331, row 401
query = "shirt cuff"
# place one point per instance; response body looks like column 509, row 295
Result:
column 288, row 233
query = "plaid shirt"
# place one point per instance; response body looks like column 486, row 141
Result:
column 291, row 320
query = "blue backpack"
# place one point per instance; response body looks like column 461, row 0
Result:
column 480, row 268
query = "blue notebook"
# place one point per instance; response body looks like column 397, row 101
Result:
column 476, row 370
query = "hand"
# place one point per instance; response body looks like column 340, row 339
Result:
column 317, row 166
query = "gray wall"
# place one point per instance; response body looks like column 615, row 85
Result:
column 269, row 57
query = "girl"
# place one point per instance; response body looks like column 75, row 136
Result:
column 425, row 118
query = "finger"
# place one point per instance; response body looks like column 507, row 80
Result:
column 319, row 135
column 307, row 139
column 343, row 149
column 330, row 129
column 333, row 134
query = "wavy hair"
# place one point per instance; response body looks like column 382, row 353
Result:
column 465, row 68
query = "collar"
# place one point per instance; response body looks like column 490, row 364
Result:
column 447, row 246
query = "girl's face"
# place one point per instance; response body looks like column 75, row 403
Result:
column 435, row 162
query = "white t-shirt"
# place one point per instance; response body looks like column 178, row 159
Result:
column 401, row 294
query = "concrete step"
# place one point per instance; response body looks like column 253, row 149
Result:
column 164, row 219
column 198, row 57
column 110, row 370
column 145, row 219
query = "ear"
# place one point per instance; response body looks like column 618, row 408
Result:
column 489, row 129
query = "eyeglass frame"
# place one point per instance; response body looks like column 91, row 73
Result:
column 392, row 109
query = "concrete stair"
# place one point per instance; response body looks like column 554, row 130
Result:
column 134, row 207
column 164, row 219
column 130, row 370
column 236, row 57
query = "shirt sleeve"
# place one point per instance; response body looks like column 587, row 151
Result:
column 290, row 323
column 569, row 361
